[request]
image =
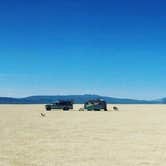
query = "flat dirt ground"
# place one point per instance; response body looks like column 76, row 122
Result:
column 133, row 136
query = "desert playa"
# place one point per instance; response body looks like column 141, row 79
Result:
column 134, row 136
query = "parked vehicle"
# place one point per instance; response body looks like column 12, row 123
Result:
column 96, row 105
column 61, row 104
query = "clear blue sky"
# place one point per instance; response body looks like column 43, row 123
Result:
column 115, row 48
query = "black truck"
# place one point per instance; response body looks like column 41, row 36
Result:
column 60, row 105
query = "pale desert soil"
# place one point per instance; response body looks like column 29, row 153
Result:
column 134, row 136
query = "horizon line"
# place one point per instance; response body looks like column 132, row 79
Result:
column 82, row 95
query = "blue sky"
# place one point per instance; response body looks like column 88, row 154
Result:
column 115, row 48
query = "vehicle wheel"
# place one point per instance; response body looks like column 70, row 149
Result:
column 48, row 108
column 65, row 108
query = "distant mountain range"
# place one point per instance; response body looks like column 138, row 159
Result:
column 78, row 99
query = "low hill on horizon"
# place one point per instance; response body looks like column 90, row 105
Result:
column 78, row 99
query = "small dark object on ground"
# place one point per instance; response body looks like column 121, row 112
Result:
column 81, row 109
column 115, row 108
column 43, row 115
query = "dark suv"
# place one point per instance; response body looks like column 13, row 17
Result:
column 61, row 104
